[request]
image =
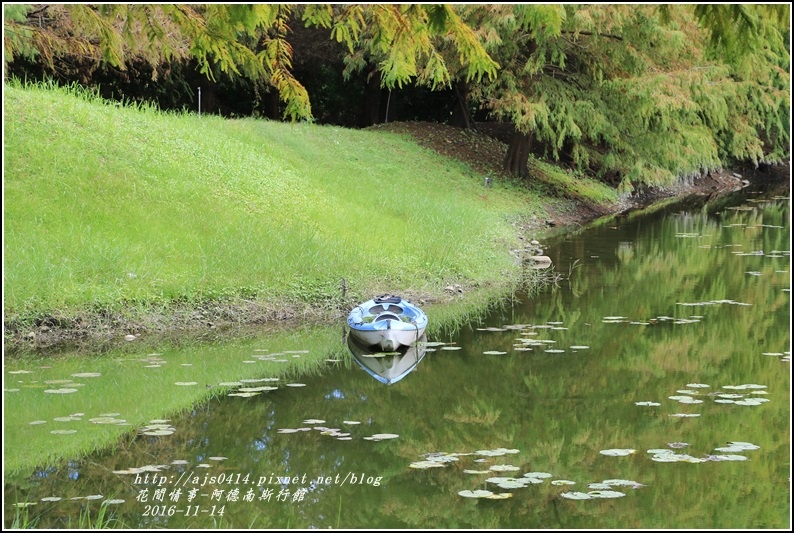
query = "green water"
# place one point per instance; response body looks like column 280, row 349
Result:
column 648, row 307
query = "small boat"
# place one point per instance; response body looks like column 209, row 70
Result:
column 391, row 367
column 388, row 322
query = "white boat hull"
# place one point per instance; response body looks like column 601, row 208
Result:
column 387, row 322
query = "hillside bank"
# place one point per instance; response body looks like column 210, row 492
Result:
column 330, row 185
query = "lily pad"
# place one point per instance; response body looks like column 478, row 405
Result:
column 605, row 494
column 60, row 391
column 617, row 452
column 500, row 496
column 382, row 436
column 86, row 375
column 475, row 493
column 505, row 468
column 576, row 496
column 426, row 464
column 538, row 475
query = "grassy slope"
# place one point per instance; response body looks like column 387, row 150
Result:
column 109, row 208
column 105, row 204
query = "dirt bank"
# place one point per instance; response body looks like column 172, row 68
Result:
column 483, row 152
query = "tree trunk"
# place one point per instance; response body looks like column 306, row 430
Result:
column 461, row 117
column 372, row 99
column 517, row 156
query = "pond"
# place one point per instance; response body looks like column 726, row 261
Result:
column 648, row 388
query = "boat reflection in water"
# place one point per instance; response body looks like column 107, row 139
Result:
column 387, row 367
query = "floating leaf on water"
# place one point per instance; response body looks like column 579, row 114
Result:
column 351, row 422
column 37, row 422
column 382, row 436
column 553, row 350
column 576, row 496
column 476, row 471
column 345, row 438
column 23, row 504
column 60, row 391
column 512, row 484
column 599, row 486
column 86, row 375
column 155, row 421
column 649, row 404
column 426, row 464
column 158, row 432
column 314, row 421
column 113, row 502
column 685, row 399
column 185, row 383
column 727, row 458
column 500, row 496
column 504, row 468
column 296, row 384
column 287, row 430
column 687, row 391
column 451, row 348
column 685, row 415
column 20, row 371
column 475, row 493
column 563, row 482
column 66, row 418
column 622, row 483
column 179, row 462
column 94, row 497
column 442, row 458
column 51, row 499
column 494, row 352
column 579, row 347
column 63, row 431
column 751, row 401
column 617, row 452
column 332, row 360
column 217, row 458
column 490, row 453
column 499, row 479
column 605, row 494
column 243, row 394
column 538, row 475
